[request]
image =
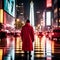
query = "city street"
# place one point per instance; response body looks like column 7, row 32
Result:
column 44, row 49
column 29, row 29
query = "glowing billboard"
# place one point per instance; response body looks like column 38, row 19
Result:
column 8, row 19
column 48, row 3
column 48, row 18
column 1, row 15
column 9, row 7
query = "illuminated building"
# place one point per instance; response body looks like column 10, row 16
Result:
column 56, row 12
column 1, row 12
column 7, row 11
column 20, row 11
column 49, row 15
column 54, row 7
column 32, row 13
column 48, row 21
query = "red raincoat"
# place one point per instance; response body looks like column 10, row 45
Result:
column 27, row 35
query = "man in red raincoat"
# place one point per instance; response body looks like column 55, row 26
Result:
column 27, row 35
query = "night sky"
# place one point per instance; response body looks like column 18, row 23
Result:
column 39, row 5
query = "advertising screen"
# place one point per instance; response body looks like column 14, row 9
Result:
column 48, row 18
column 8, row 19
column 48, row 3
column 1, row 15
column 9, row 7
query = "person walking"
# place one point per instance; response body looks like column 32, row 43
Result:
column 27, row 36
column 10, row 48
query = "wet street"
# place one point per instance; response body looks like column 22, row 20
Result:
column 17, row 17
column 44, row 49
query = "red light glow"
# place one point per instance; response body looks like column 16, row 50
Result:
column 52, row 33
column 48, row 3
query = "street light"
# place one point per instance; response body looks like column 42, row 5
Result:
column 17, row 20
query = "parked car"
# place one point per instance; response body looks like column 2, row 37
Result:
column 56, row 34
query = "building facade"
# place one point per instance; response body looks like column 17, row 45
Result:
column 20, row 11
column 56, row 13
column 7, row 12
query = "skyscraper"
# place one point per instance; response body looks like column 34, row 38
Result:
column 20, row 11
column 56, row 12
column 32, row 13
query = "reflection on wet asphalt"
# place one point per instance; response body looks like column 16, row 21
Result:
column 44, row 49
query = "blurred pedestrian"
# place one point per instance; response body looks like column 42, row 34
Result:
column 3, row 40
column 2, row 36
column 10, row 49
column 27, row 35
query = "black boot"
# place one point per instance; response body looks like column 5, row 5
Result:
column 30, row 55
column 25, row 55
